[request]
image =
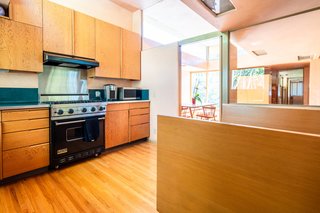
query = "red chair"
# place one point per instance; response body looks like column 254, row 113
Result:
column 209, row 113
column 185, row 112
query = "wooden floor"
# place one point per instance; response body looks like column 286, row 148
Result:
column 121, row 181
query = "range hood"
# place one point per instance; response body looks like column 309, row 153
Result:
column 68, row 61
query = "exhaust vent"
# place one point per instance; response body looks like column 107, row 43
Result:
column 304, row 57
column 219, row 7
column 259, row 52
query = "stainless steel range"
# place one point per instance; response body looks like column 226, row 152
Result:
column 77, row 123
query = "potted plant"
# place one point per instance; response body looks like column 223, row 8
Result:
column 195, row 94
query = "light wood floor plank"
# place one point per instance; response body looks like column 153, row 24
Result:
column 120, row 181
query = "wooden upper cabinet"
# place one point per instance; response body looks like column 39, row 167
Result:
column 84, row 36
column 20, row 46
column 27, row 11
column 108, row 50
column 57, row 28
column 131, row 55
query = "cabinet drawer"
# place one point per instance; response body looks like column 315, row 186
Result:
column 139, row 131
column 18, row 161
column 139, row 105
column 16, row 115
column 139, row 111
column 17, row 126
column 25, row 138
column 117, row 107
column 139, row 119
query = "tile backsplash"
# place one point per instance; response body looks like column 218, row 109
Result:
column 18, row 95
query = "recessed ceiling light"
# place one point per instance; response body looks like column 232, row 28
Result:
column 259, row 52
column 219, row 6
column 304, row 57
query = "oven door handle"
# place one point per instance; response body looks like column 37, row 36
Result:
column 74, row 122
column 69, row 122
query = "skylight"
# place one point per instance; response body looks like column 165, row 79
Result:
column 171, row 21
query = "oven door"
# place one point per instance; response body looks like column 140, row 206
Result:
column 68, row 137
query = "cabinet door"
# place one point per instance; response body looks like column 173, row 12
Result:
column 117, row 128
column 139, row 131
column 26, row 12
column 57, row 28
column 108, row 50
column 18, row 161
column 84, row 36
column 20, row 46
column 131, row 55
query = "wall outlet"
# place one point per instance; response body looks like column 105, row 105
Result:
column 98, row 94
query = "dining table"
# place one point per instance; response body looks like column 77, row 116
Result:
column 193, row 107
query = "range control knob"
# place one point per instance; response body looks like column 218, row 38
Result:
column 93, row 109
column 60, row 112
column 84, row 110
column 71, row 111
column 102, row 108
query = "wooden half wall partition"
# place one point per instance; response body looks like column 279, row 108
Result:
column 292, row 118
column 220, row 167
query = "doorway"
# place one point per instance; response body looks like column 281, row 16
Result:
column 200, row 78
column 291, row 84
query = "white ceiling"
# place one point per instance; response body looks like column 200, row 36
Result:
column 283, row 40
column 134, row 5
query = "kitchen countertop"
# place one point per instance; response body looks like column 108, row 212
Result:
column 125, row 102
column 23, row 106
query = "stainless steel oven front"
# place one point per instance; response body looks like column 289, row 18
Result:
column 68, row 140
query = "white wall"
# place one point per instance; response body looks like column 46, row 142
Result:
column 160, row 74
column 101, row 9
column 314, row 86
column 18, row 79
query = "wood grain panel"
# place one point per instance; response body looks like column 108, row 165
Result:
column 287, row 118
column 217, row 167
column 139, row 119
column 84, row 36
column 117, row 107
column 25, row 138
column 108, row 50
column 20, row 46
column 15, row 115
column 139, row 131
column 139, row 105
column 27, row 12
column 17, row 126
column 131, row 55
column 21, row 160
column 117, row 128
column 57, row 28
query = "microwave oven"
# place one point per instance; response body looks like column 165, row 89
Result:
column 129, row 93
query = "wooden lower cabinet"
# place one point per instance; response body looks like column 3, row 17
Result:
column 117, row 128
column 127, row 122
column 139, row 131
column 18, row 161
column 24, row 141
